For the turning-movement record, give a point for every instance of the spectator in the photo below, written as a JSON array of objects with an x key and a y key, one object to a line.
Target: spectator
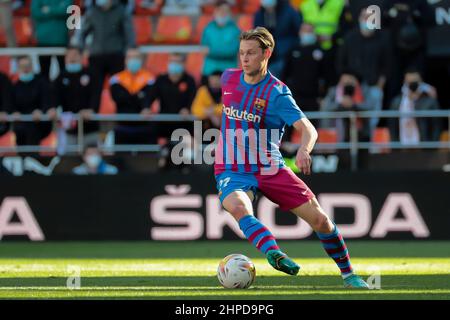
[
  {"x": 348, "y": 95},
  {"x": 302, "y": 71},
  {"x": 207, "y": 105},
  {"x": 131, "y": 90},
  {"x": 93, "y": 163},
  {"x": 283, "y": 21},
  {"x": 175, "y": 91},
  {"x": 368, "y": 51},
  {"x": 416, "y": 95},
  {"x": 6, "y": 22},
  {"x": 406, "y": 21},
  {"x": 49, "y": 19},
  {"x": 5, "y": 102},
  {"x": 74, "y": 92},
  {"x": 31, "y": 95},
  {"x": 110, "y": 29},
  {"x": 325, "y": 15},
  {"x": 221, "y": 36}
]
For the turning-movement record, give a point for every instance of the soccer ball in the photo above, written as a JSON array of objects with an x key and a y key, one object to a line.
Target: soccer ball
[{"x": 236, "y": 271}]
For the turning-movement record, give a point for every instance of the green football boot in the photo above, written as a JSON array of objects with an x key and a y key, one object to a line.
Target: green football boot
[{"x": 282, "y": 262}]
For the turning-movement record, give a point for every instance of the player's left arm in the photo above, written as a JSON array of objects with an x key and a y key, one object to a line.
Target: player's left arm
[{"x": 308, "y": 139}]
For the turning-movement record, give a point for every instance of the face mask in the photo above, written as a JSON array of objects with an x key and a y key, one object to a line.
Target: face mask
[
  {"x": 364, "y": 27},
  {"x": 26, "y": 77},
  {"x": 134, "y": 65},
  {"x": 94, "y": 160},
  {"x": 73, "y": 67},
  {"x": 101, "y": 3},
  {"x": 268, "y": 3},
  {"x": 221, "y": 21},
  {"x": 413, "y": 86},
  {"x": 307, "y": 39},
  {"x": 175, "y": 68}
]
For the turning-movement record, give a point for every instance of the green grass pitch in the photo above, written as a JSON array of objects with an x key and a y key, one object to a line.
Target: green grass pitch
[{"x": 187, "y": 270}]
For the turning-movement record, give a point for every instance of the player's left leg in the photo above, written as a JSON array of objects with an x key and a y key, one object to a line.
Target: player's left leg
[{"x": 332, "y": 240}]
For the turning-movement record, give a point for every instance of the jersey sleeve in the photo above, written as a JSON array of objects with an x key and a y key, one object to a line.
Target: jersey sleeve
[{"x": 287, "y": 108}]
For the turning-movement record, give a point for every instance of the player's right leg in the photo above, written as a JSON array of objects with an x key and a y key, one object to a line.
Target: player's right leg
[{"x": 236, "y": 194}]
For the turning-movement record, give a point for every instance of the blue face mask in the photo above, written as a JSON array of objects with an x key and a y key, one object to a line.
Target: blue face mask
[
  {"x": 221, "y": 21},
  {"x": 134, "y": 65},
  {"x": 364, "y": 27},
  {"x": 175, "y": 68},
  {"x": 101, "y": 3},
  {"x": 73, "y": 67},
  {"x": 26, "y": 77},
  {"x": 268, "y": 3},
  {"x": 308, "y": 39}
]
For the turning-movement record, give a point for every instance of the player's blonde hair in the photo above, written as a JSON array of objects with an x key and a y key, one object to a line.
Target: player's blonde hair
[{"x": 260, "y": 34}]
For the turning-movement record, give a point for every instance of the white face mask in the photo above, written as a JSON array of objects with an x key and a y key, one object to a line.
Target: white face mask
[{"x": 93, "y": 160}]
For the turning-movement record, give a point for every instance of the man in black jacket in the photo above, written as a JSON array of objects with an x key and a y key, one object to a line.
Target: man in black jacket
[
  {"x": 31, "y": 95},
  {"x": 74, "y": 92},
  {"x": 5, "y": 102},
  {"x": 175, "y": 91}
]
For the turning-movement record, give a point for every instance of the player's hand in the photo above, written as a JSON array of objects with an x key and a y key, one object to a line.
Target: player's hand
[
  {"x": 303, "y": 161},
  {"x": 3, "y": 116},
  {"x": 52, "y": 114}
]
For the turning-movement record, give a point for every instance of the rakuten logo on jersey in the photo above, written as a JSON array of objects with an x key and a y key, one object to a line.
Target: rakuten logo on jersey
[{"x": 236, "y": 114}]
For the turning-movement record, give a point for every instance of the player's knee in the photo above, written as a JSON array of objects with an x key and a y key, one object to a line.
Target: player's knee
[
  {"x": 322, "y": 223},
  {"x": 238, "y": 210}
]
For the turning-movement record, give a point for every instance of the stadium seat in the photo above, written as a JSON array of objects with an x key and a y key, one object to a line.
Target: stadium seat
[
  {"x": 24, "y": 31},
  {"x": 145, "y": 7},
  {"x": 8, "y": 140},
  {"x": 107, "y": 105},
  {"x": 251, "y": 6},
  {"x": 5, "y": 65},
  {"x": 49, "y": 141},
  {"x": 208, "y": 7},
  {"x": 194, "y": 65},
  {"x": 173, "y": 30},
  {"x": 245, "y": 22},
  {"x": 327, "y": 135},
  {"x": 201, "y": 24},
  {"x": 143, "y": 29},
  {"x": 157, "y": 62},
  {"x": 381, "y": 136}
]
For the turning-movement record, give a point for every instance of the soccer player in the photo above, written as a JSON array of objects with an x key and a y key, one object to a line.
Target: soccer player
[{"x": 256, "y": 108}]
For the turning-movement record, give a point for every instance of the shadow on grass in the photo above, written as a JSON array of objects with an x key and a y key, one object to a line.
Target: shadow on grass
[{"x": 265, "y": 287}]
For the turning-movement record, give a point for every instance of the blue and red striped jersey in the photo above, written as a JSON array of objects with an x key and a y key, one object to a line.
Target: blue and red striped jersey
[{"x": 254, "y": 117}]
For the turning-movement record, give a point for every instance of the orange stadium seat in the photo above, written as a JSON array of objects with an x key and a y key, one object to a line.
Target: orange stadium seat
[
  {"x": 143, "y": 29},
  {"x": 157, "y": 62},
  {"x": 24, "y": 31},
  {"x": 201, "y": 24},
  {"x": 173, "y": 29},
  {"x": 251, "y": 6},
  {"x": 208, "y": 8},
  {"x": 381, "y": 136},
  {"x": 444, "y": 138},
  {"x": 194, "y": 65},
  {"x": 153, "y": 9},
  {"x": 8, "y": 140},
  {"x": 245, "y": 22},
  {"x": 107, "y": 105},
  {"x": 5, "y": 65},
  {"x": 49, "y": 141}
]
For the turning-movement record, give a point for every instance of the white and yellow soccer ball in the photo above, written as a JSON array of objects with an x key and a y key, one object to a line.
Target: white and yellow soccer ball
[{"x": 236, "y": 271}]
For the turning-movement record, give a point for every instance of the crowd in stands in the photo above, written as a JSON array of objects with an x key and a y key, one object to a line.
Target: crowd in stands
[{"x": 326, "y": 52}]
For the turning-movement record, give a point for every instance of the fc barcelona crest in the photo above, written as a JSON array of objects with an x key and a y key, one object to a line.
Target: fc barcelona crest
[{"x": 260, "y": 103}]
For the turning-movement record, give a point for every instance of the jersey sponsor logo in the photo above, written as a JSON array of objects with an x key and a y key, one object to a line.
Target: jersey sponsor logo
[
  {"x": 236, "y": 114},
  {"x": 227, "y": 93}
]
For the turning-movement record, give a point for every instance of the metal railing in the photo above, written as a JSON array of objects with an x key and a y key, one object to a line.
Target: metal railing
[{"x": 353, "y": 145}]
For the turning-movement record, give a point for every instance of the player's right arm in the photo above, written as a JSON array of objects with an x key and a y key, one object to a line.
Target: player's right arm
[{"x": 308, "y": 139}]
